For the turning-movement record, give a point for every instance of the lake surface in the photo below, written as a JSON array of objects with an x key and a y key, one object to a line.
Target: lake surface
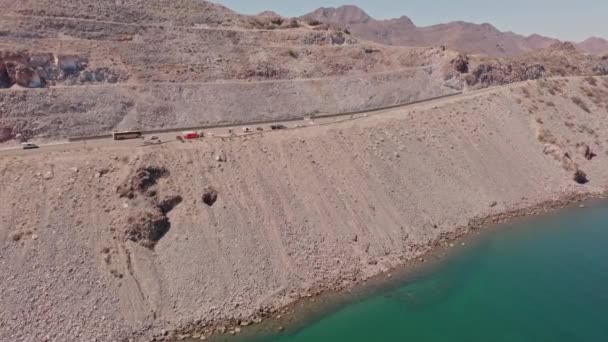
[{"x": 545, "y": 279}]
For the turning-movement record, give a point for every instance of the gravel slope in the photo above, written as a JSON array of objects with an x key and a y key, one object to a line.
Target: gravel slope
[{"x": 296, "y": 212}]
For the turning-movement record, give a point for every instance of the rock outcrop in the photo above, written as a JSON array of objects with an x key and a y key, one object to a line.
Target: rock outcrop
[
  {"x": 146, "y": 221},
  {"x": 492, "y": 74},
  {"x": 26, "y": 76},
  {"x": 5, "y": 80},
  {"x": 37, "y": 70},
  {"x": 461, "y": 64}
]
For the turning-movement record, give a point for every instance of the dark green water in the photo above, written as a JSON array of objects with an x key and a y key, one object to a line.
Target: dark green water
[{"x": 544, "y": 279}]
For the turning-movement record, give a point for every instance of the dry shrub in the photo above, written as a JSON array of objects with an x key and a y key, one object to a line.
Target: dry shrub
[
  {"x": 579, "y": 102},
  {"x": 586, "y": 129},
  {"x": 588, "y": 92},
  {"x": 550, "y": 104},
  {"x": 546, "y": 137},
  {"x": 591, "y": 80},
  {"x": 580, "y": 177},
  {"x": 293, "y": 53},
  {"x": 526, "y": 93}
]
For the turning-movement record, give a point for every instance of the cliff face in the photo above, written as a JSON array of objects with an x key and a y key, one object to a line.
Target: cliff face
[{"x": 120, "y": 242}]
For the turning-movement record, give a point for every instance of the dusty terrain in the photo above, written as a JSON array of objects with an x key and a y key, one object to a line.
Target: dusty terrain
[
  {"x": 115, "y": 243},
  {"x": 70, "y": 68},
  {"x": 459, "y": 35},
  {"x": 88, "y": 67}
]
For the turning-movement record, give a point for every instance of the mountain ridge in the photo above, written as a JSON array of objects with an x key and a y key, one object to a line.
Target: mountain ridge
[{"x": 482, "y": 38}]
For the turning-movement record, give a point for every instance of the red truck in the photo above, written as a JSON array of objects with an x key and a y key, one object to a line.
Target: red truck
[{"x": 191, "y": 135}]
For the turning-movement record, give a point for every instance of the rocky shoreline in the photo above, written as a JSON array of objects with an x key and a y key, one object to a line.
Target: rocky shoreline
[{"x": 203, "y": 330}]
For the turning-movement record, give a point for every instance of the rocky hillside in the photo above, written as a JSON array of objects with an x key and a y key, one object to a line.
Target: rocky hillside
[
  {"x": 150, "y": 244},
  {"x": 595, "y": 45},
  {"x": 57, "y": 57},
  {"x": 559, "y": 59},
  {"x": 467, "y": 37},
  {"x": 87, "y": 67}
]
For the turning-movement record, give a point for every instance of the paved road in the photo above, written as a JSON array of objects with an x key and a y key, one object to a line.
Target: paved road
[
  {"x": 169, "y": 136},
  {"x": 224, "y": 131},
  {"x": 237, "y": 129}
]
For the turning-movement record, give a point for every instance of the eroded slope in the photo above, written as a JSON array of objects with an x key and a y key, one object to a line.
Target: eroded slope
[{"x": 123, "y": 243}]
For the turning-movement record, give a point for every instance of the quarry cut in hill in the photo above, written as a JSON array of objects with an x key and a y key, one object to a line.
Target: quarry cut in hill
[{"x": 165, "y": 241}]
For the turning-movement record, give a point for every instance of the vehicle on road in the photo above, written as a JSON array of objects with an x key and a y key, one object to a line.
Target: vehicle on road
[
  {"x": 127, "y": 135},
  {"x": 153, "y": 140},
  {"x": 29, "y": 146},
  {"x": 191, "y": 135}
]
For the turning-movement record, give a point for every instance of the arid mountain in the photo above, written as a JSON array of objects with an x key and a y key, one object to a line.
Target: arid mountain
[
  {"x": 467, "y": 37},
  {"x": 297, "y": 212},
  {"x": 135, "y": 64},
  {"x": 595, "y": 45}
]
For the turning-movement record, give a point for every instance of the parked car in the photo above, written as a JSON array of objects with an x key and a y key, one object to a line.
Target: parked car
[
  {"x": 153, "y": 140},
  {"x": 191, "y": 135},
  {"x": 29, "y": 146}
]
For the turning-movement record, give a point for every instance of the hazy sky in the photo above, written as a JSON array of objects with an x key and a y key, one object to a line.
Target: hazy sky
[{"x": 564, "y": 19}]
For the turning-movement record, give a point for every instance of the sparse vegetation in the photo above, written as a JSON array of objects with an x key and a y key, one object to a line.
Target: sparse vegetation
[
  {"x": 591, "y": 80},
  {"x": 314, "y": 22},
  {"x": 580, "y": 177},
  {"x": 588, "y": 92},
  {"x": 549, "y": 86},
  {"x": 277, "y": 20},
  {"x": 586, "y": 129},
  {"x": 550, "y": 104},
  {"x": 579, "y": 102},
  {"x": 546, "y": 137}
]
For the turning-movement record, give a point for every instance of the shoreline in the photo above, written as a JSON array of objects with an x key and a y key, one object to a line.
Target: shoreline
[{"x": 307, "y": 308}]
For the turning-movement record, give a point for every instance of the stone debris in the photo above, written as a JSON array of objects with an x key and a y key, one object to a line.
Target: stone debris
[{"x": 209, "y": 195}]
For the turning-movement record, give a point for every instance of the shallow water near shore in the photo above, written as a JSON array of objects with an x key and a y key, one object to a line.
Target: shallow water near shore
[{"x": 539, "y": 279}]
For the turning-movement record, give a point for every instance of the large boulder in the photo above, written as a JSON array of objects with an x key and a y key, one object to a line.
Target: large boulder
[
  {"x": 41, "y": 60},
  {"x": 461, "y": 64},
  {"x": 498, "y": 73},
  {"x": 28, "y": 77},
  {"x": 70, "y": 64}
]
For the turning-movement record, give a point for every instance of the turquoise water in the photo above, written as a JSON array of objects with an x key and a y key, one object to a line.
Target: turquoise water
[{"x": 542, "y": 280}]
